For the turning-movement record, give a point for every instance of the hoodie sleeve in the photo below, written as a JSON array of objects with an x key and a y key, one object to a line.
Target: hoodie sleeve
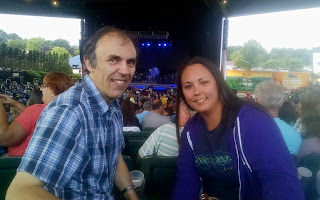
[
  {"x": 187, "y": 181},
  {"x": 269, "y": 156}
]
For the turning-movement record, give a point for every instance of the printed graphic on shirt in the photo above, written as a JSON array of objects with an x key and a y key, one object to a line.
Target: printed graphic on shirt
[{"x": 220, "y": 161}]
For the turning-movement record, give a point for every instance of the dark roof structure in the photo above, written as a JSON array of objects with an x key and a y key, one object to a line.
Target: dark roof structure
[{"x": 194, "y": 26}]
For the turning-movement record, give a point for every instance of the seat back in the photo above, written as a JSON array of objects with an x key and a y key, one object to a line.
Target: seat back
[
  {"x": 8, "y": 169},
  {"x": 133, "y": 141},
  {"x": 160, "y": 174},
  {"x": 149, "y": 129},
  {"x": 312, "y": 162}
]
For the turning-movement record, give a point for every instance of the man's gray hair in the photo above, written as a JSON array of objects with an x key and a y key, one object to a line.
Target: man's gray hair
[
  {"x": 147, "y": 105},
  {"x": 270, "y": 94}
]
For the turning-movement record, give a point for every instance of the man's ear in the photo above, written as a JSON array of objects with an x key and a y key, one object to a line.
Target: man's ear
[{"x": 88, "y": 64}]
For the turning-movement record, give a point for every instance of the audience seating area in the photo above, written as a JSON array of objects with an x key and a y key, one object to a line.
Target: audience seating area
[
  {"x": 159, "y": 171},
  {"x": 133, "y": 141},
  {"x": 312, "y": 162},
  {"x": 8, "y": 168}
]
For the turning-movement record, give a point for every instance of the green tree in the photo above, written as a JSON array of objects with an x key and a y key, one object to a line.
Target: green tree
[
  {"x": 18, "y": 44},
  {"x": 3, "y": 37},
  {"x": 35, "y": 44},
  {"x": 250, "y": 56},
  {"x": 232, "y": 49},
  {"x": 46, "y": 46},
  {"x": 14, "y": 36},
  {"x": 60, "y": 51}
]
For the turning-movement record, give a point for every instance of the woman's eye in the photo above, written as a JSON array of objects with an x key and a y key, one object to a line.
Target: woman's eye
[
  {"x": 187, "y": 87},
  {"x": 204, "y": 82}
]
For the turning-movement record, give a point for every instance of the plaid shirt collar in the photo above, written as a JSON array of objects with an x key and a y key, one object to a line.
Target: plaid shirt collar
[{"x": 97, "y": 102}]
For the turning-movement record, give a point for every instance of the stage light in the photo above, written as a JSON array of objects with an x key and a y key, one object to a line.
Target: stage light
[
  {"x": 159, "y": 45},
  {"x": 165, "y": 44},
  {"x": 142, "y": 44},
  {"x": 148, "y": 44},
  {"x": 55, "y": 3}
]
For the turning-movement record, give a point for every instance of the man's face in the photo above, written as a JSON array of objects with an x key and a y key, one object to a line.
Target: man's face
[{"x": 116, "y": 65}]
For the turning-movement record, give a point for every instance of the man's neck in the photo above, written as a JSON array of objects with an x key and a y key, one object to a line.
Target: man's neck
[{"x": 275, "y": 114}]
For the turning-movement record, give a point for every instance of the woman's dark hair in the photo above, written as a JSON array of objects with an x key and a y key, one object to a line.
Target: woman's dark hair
[
  {"x": 35, "y": 97},
  {"x": 128, "y": 111},
  {"x": 287, "y": 113},
  {"x": 231, "y": 102}
]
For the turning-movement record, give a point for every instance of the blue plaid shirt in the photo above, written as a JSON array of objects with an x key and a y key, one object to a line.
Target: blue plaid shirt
[{"x": 75, "y": 146}]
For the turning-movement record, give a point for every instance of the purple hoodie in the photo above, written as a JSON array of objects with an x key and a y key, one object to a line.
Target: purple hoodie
[{"x": 264, "y": 165}]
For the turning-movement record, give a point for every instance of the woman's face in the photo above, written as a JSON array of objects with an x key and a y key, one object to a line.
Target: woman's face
[
  {"x": 200, "y": 89},
  {"x": 47, "y": 93}
]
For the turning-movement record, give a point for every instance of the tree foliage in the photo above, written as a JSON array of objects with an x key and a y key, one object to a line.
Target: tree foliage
[
  {"x": 35, "y": 44},
  {"x": 251, "y": 55},
  {"x": 18, "y": 44}
]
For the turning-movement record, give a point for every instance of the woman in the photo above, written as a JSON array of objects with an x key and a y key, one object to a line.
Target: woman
[
  {"x": 130, "y": 121},
  {"x": 17, "y": 135},
  {"x": 232, "y": 148},
  {"x": 310, "y": 119}
]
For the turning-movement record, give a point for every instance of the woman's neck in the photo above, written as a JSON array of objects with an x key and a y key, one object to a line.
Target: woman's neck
[{"x": 213, "y": 117}]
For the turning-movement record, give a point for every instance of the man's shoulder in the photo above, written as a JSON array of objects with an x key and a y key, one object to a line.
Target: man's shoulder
[{"x": 283, "y": 126}]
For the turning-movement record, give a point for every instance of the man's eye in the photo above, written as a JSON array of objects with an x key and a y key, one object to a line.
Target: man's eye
[{"x": 112, "y": 60}]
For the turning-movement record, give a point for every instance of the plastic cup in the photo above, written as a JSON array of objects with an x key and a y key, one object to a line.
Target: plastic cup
[
  {"x": 304, "y": 174},
  {"x": 137, "y": 178}
]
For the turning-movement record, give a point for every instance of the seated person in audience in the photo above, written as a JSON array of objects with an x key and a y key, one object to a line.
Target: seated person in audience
[
  {"x": 17, "y": 135},
  {"x": 287, "y": 113},
  {"x": 156, "y": 117},
  {"x": 35, "y": 97},
  {"x": 310, "y": 118},
  {"x": 147, "y": 108},
  {"x": 271, "y": 95},
  {"x": 130, "y": 121},
  {"x": 163, "y": 141}
]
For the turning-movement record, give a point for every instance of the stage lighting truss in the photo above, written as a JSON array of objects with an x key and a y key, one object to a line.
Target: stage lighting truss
[{"x": 151, "y": 35}]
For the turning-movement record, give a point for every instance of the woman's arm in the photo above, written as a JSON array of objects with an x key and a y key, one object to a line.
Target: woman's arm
[
  {"x": 19, "y": 107},
  {"x": 10, "y": 134},
  {"x": 188, "y": 182},
  {"x": 269, "y": 157}
]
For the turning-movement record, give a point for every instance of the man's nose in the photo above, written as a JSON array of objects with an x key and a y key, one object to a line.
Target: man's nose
[{"x": 123, "y": 68}]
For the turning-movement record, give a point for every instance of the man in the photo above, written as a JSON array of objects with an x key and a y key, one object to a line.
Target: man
[
  {"x": 271, "y": 94},
  {"x": 75, "y": 152},
  {"x": 155, "y": 118},
  {"x": 163, "y": 141},
  {"x": 147, "y": 108}
]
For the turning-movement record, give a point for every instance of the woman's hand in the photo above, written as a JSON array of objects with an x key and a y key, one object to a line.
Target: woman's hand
[{"x": 7, "y": 100}]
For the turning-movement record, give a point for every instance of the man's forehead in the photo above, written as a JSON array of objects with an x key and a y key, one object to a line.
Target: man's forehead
[{"x": 123, "y": 39}]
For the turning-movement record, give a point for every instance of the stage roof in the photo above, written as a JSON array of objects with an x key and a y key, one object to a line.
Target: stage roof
[{"x": 81, "y": 8}]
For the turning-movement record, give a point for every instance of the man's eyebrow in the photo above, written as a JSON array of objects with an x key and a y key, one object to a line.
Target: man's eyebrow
[
  {"x": 114, "y": 57},
  {"x": 134, "y": 60}
]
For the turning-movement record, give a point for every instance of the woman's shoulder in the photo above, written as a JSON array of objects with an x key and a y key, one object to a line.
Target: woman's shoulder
[{"x": 253, "y": 111}]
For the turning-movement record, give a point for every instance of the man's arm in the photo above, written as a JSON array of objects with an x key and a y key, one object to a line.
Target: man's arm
[
  {"x": 26, "y": 186},
  {"x": 122, "y": 179}
]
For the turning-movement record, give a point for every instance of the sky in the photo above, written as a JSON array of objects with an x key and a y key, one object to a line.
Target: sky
[
  {"x": 49, "y": 28},
  {"x": 291, "y": 29}
]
